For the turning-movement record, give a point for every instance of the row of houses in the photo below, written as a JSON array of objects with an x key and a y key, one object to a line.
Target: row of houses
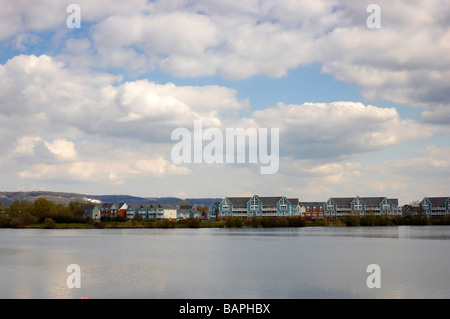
[
  {"x": 254, "y": 206},
  {"x": 275, "y": 206},
  {"x": 282, "y": 207},
  {"x": 333, "y": 208},
  {"x": 144, "y": 211}
]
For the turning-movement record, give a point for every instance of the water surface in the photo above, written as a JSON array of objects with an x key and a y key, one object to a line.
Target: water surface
[{"x": 309, "y": 262}]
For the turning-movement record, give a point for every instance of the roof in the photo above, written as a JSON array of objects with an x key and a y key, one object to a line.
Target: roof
[
  {"x": 238, "y": 201},
  {"x": 269, "y": 201},
  {"x": 312, "y": 203},
  {"x": 372, "y": 200},
  {"x": 342, "y": 200},
  {"x": 167, "y": 205},
  {"x": 89, "y": 207},
  {"x": 140, "y": 206},
  {"x": 394, "y": 201},
  {"x": 437, "y": 201}
]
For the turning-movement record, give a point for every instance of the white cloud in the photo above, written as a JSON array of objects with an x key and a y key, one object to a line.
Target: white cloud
[
  {"x": 338, "y": 129},
  {"x": 405, "y": 61},
  {"x": 57, "y": 98},
  {"x": 61, "y": 120}
]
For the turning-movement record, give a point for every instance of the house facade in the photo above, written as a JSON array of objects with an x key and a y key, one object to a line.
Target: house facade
[
  {"x": 312, "y": 210},
  {"x": 435, "y": 207},
  {"x": 188, "y": 212},
  {"x": 213, "y": 212},
  {"x": 113, "y": 209},
  {"x": 379, "y": 206},
  {"x": 152, "y": 211},
  {"x": 91, "y": 211},
  {"x": 257, "y": 206}
]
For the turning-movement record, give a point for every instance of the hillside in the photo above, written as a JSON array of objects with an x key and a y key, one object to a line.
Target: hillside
[{"x": 64, "y": 198}]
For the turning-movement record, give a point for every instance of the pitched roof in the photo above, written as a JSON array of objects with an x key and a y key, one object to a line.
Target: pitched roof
[
  {"x": 372, "y": 200},
  {"x": 269, "y": 201},
  {"x": 89, "y": 207},
  {"x": 167, "y": 205},
  {"x": 342, "y": 200},
  {"x": 265, "y": 200},
  {"x": 437, "y": 201},
  {"x": 238, "y": 201},
  {"x": 312, "y": 203},
  {"x": 394, "y": 201}
]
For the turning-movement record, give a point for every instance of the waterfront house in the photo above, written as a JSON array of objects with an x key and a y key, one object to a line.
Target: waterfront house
[
  {"x": 188, "y": 212},
  {"x": 91, "y": 211},
  {"x": 113, "y": 209},
  {"x": 152, "y": 211},
  {"x": 435, "y": 207},
  {"x": 258, "y": 206},
  {"x": 144, "y": 211},
  {"x": 312, "y": 210},
  {"x": 295, "y": 206},
  {"x": 213, "y": 212},
  {"x": 361, "y": 206},
  {"x": 166, "y": 211}
]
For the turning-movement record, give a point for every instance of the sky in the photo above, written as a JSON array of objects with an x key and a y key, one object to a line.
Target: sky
[{"x": 360, "y": 110}]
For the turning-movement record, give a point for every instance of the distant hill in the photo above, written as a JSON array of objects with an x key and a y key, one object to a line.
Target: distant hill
[{"x": 64, "y": 198}]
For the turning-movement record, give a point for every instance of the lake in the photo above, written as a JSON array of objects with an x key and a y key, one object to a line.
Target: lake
[{"x": 308, "y": 262}]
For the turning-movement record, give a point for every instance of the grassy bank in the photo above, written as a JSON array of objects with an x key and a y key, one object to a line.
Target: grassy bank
[{"x": 349, "y": 221}]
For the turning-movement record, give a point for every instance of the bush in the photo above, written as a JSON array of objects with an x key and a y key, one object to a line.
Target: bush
[
  {"x": 23, "y": 220},
  {"x": 253, "y": 222},
  {"x": 351, "y": 220},
  {"x": 49, "y": 223},
  {"x": 234, "y": 222},
  {"x": 296, "y": 222},
  {"x": 100, "y": 224},
  {"x": 5, "y": 220}
]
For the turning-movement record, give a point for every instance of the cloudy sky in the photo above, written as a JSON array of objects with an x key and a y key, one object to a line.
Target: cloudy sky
[{"x": 360, "y": 111}]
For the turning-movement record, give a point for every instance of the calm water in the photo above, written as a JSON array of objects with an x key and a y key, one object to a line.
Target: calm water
[{"x": 322, "y": 262}]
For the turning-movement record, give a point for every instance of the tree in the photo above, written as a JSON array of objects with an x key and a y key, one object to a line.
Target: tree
[
  {"x": 42, "y": 208},
  {"x": 18, "y": 208},
  {"x": 76, "y": 208}
]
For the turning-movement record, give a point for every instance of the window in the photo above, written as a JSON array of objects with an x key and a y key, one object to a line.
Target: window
[
  {"x": 358, "y": 204},
  {"x": 254, "y": 204},
  {"x": 225, "y": 206}
]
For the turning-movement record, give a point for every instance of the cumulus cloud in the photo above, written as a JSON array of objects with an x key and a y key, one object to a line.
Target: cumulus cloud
[
  {"x": 405, "y": 61},
  {"x": 338, "y": 129},
  {"x": 97, "y": 103},
  {"x": 65, "y": 114}
]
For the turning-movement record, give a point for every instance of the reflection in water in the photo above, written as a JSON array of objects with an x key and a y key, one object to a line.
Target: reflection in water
[
  {"x": 309, "y": 262},
  {"x": 405, "y": 232}
]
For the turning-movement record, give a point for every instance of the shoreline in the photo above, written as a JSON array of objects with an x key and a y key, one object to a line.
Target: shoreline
[{"x": 234, "y": 223}]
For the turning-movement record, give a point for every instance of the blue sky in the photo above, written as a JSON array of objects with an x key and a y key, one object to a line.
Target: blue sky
[{"x": 360, "y": 111}]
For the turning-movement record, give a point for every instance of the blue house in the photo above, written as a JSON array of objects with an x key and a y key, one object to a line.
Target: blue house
[
  {"x": 361, "y": 206},
  {"x": 435, "y": 207},
  {"x": 213, "y": 211},
  {"x": 258, "y": 206}
]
